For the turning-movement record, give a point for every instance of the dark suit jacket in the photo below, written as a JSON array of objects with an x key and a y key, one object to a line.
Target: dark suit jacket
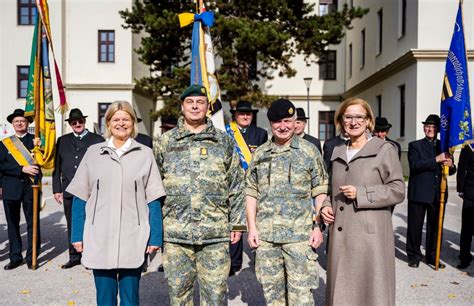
[
  {"x": 328, "y": 147},
  {"x": 69, "y": 153},
  {"x": 254, "y": 137},
  {"x": 399, "y": 147},
  {"x": 465, "y": 175},
  {"x": 314, "y": 141},
  {"x": 425, "y": 173},
  {"x": 16, "y": 184},
  {"x": 144, "y": 140}
]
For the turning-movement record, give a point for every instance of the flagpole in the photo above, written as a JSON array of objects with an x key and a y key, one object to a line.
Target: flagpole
[
  {"x": 443, "y": 187},
  {"x": 35, "y": 185}
]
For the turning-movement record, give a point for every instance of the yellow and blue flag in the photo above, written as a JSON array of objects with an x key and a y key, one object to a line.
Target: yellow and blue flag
[
  {"x": 39, "y": 100},
  {"x": 456, "y": 126},
  {"x": 202, "y": 60}
]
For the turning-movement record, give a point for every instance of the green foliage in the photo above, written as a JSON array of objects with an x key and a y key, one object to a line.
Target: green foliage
[{"x": 270, "y": 31}]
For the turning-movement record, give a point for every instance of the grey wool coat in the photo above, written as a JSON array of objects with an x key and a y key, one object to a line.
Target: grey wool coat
[
  {"x": 361, "y": 258},
  {"x": 117, "y": 191}
]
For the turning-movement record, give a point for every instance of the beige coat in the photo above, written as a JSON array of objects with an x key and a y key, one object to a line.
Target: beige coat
[
  {"x": 361, "y": 259},
  {"x": 117, "y": 192}
]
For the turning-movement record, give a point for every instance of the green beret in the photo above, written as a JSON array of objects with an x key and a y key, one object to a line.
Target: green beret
[
  {"x": 281, "y": 109},
  {"x": 194, "y": 90}
]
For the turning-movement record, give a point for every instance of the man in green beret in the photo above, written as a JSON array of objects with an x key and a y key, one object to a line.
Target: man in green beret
[
  {"x": 204, "y": 208},
  {"x": 285, "y": 184}
]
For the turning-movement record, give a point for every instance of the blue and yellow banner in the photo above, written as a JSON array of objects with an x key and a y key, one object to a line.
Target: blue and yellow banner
[
  {"x": 202, "y": 59},
  {"x": 18, "y": 151},
  {"x": 456, "y": 126},
  {"x": 241, "y": 146}
]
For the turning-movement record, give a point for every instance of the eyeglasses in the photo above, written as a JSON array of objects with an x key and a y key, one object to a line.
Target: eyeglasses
[
  {"x": 77, "y": 122},
  {"x": 357, "y": 118}
]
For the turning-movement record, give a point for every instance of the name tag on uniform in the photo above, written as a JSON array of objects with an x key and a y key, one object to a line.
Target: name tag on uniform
[
  {"x": 178, "y": 149},
  {"x": 203, "y": 151}
]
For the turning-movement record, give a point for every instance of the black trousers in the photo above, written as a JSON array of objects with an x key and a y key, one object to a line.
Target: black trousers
[
  {"x": 12, "y": 214},
  {"x": 236, "y": 251},
  {"x": 467, "y": 230},
  {"x": 416, "y": 218},
  {"x": 73, "y": 254}
]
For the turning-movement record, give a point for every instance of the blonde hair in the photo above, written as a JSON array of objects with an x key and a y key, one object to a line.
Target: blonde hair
[
  {"x": 120, "y": 106},
  {"x": 338, "y": 121}
]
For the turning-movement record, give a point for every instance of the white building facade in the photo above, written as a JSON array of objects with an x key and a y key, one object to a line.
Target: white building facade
[{"x": 393, "y": 57}]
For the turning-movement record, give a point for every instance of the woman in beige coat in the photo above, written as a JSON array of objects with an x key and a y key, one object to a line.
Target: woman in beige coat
[
  {"x": 116, "y": 213},
  {"x": 366, "y": 181}
]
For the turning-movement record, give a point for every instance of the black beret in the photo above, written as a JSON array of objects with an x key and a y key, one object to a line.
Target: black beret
[
  {"x": 280, "y": 109},
  {"x": 194, "y": 90}
]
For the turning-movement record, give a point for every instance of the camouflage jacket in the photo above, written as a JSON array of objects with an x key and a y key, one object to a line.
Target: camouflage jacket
[
  {"x": 204, "y": 183},
  {"x": 284, "y": 179}
]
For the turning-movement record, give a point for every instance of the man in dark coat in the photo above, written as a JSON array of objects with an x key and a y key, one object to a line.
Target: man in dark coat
[
  {"x": 328, "y": 148},
  {"x": 301, "y": 121},
  {"x": 465, "y": 188},
  {"x": 425, "y": 160},
  {"x": 254, "y": 137},
  {"x": 381, "y": 130},
  {"x": 70, "y": 150},
  {"x": 17, "y": 190}
]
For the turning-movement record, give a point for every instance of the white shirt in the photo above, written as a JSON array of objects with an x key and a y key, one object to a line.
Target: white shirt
[{"x": 122, "y": 149}]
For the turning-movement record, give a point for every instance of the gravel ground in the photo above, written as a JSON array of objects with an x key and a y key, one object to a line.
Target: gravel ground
[{"x": 50, "y": 285}]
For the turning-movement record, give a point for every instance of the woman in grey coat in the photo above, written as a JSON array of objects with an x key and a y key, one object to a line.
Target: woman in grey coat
[
  {"x": 116, "y": 214},
  {"x": 366, "y": 181}
]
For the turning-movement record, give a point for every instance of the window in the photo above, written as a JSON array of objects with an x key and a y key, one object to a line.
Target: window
[
  {"x": 102, "y": 109},
  {"x": 327, "y": 7},
  {"x": 326, "y": 125},
  {"x": 379, "y": 105},
  {"x": 26, "y": 12},
  {"x": 401, "y": 89},
  {"x": 22, "y": 73},
  {"x": 327, "y": 66},
  {"x": 380, "y": 29},
  {"x": 362, "y": 49},
  {"x": 350, "y": 60},
  {"x": 106, "y": 46},
  {"x": 402, "y": 17}
]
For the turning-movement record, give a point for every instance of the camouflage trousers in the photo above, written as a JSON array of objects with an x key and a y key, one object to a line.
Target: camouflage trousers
[
  {"x": 287, "y": 272},
  {"x": 210, "y": 263}
]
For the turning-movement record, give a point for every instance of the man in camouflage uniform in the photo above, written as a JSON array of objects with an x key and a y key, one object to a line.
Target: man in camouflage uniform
[
  {"x": 284, "y": 177},
  {"x": 204, "y": 207}
]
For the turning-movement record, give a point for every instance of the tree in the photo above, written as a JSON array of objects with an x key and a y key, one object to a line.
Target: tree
[{"x": 270, "y": 32}]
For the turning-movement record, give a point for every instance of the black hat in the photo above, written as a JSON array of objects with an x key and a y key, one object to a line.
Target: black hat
[
  {"x": 194, "y": 90},
  {"x": 280, "y": 109},
  {"x": 432, "y": 119},
  {"x": 300, "y": 114},
  {"x": 18, "y": 113},
  {"x": 381, "y": 124},
  {"x": 75, "y": 114},
  {"x": 243, "y": 106}
]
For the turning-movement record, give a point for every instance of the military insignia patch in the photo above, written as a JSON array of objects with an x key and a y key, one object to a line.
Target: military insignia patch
[
  {"x": 203, "y": 151},
  {"x": 203, "y": 90},
  {"x": 290, "y": 111}
]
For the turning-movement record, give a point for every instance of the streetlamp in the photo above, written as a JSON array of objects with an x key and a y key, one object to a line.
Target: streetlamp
[{"x": 307, "y": 81}]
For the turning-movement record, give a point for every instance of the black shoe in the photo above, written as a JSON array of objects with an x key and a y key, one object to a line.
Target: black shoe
[
  {"x": 70, "y": 264},
  {"x": 160, "y": 269},
  {"x": 13, "y": 265},
  {"x": 413, "y": 264},
  {"x": 463, "y": 265},
  {"x": 30, "y": 265}
]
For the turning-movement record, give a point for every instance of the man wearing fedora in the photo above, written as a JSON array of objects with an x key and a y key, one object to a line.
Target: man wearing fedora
[
  {"x": 70, "y": 150},
  {"x": 425, "y": 160},
  {"x": 17, "y": 190},
  {"x": 381, "y": 130},
  {"x": 301, "y": 121},
  {"x": 253, "y": 137}
]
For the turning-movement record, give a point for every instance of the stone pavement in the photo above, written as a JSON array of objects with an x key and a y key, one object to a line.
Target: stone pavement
[{"x": 50, "y": 285}]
